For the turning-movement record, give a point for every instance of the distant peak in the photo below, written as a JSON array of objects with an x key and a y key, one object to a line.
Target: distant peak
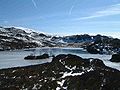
[{"x": 27, "y": 30}]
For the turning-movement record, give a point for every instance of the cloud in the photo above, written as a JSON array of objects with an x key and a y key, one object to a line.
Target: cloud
[
  {"x": 34, "y": 3},
  {"x": 72, "y": 7},
  {"x": 111, "y": 10},
  {"x": 70, "y": 11}
]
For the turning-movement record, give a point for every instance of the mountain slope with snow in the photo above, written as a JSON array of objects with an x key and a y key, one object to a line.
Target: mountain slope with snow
[{"x": 18, "y": 38}]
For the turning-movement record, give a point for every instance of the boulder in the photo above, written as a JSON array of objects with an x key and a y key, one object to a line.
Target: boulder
[{"x": 115, "y": 58}]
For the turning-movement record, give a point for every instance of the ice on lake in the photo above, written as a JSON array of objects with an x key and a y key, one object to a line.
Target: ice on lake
[{"x": 10, "y": 59}]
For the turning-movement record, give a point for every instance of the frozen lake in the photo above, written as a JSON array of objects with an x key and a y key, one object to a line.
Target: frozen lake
[{"x": 16, "y": 58}]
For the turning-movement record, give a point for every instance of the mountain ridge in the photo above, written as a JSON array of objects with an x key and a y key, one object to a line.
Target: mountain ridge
[
  {"x": 27, "y": 37},
  {"x": 20, "y": 38}
]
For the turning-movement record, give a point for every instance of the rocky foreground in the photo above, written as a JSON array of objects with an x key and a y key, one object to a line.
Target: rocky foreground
[{"x": 65, "y": 72}]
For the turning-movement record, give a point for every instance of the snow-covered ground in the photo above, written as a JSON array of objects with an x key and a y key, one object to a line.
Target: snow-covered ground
[{"x": 16, "y": 58}]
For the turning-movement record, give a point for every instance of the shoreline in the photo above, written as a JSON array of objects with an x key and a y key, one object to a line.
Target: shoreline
[{"x": 20, "y": 67}]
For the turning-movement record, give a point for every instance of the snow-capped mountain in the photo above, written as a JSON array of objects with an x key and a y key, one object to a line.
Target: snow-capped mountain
[{"x": 18, "y": 38}]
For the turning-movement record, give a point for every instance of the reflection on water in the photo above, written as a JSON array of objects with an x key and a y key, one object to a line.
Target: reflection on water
[{"x": 16, "y": 58}]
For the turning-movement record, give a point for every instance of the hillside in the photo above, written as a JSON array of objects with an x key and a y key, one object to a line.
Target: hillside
[
  {"x": 20, "y": 38},
  {"x": 65, "y": 72}
]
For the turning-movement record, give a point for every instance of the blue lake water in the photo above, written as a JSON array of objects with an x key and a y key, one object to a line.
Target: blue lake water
[{"x": 10, "y": 59}]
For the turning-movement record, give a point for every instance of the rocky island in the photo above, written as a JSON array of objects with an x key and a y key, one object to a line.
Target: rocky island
[
  {"x": 31, "y": 57},
  {"x": 65, "y": 72}
]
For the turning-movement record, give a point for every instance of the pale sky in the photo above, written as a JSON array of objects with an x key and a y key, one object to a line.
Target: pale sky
[{"x": 63, "y": 17}]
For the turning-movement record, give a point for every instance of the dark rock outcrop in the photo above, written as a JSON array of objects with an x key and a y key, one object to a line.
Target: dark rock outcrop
[
  {"x": 115, "y": 58},
  {"x": 93, "y": 49},
  {"x": 44, "y": 56},
  {"x": 65, "y": 72}
]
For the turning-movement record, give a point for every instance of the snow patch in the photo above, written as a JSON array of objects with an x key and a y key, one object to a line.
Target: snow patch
[
  {"x": 58, "y": 88},
  {"x": 70, "y": 74}
]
